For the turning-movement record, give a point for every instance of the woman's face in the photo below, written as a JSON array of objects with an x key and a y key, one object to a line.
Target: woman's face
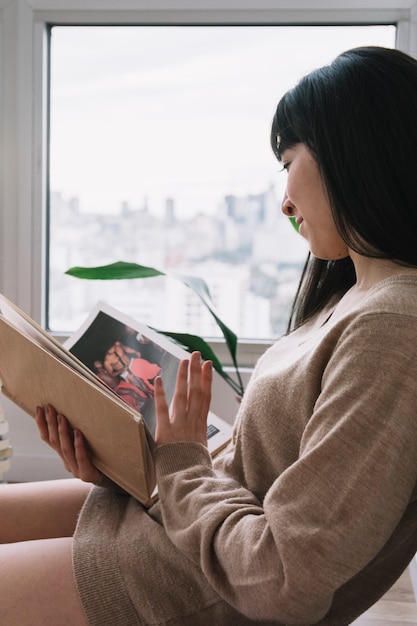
[{"x": 306, "y": 199}]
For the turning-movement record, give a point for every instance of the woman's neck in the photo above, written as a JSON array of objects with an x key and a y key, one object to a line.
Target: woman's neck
[{"x": 370, "y": 271}]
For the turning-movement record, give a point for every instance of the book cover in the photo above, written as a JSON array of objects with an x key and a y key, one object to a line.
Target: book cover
[{"x": 102, "y": 381}]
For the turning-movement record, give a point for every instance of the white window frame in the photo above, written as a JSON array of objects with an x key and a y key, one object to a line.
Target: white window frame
[
  {"x": 23, "y": 130},
  {"x": 23, "y": 113}
]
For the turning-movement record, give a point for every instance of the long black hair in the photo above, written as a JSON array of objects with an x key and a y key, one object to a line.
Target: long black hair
[{"x": 358, "y": 118}]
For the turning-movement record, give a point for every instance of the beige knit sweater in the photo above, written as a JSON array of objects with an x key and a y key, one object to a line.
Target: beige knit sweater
[{"x": 311, "y": 514}]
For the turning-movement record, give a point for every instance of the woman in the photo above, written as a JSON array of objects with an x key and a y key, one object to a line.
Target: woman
[{"x": 310, "y": 515}]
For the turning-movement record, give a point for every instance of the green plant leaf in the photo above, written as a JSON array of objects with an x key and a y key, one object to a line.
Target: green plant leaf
[
  {"x": 122, "y": 270},
  {"x": 294, "y": 223},
  {"x": 194, "y": 342},
  {"x": 199, "y": 286},
  {"x": 115, "y": 271}
]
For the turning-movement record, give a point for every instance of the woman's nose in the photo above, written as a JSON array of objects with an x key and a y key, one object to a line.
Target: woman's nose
[{"x": 287, "y": 206}]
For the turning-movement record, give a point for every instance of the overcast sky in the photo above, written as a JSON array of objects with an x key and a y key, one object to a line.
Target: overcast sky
[{"x": 180, "y": 112}]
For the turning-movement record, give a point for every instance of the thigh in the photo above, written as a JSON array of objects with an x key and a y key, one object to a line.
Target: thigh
[
  {"x": 40, "y": 510},
  {"x": 37, "y": 584}
]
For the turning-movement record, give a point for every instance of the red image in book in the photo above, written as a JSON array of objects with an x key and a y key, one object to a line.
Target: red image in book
[{"x": 128, "y": 374}]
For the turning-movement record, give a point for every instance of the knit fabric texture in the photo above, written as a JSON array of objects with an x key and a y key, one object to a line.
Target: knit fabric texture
[{"x": 310, "y": 514}]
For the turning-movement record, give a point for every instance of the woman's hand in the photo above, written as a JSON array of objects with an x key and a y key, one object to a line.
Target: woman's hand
[
  {"x": 57, "y": 433},
  {"x": 190, "y": 406}
]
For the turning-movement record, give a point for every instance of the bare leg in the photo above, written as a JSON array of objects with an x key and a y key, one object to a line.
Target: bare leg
[
  {"x": 37, "y": 584},
  {"x": 40, "y": 510}
]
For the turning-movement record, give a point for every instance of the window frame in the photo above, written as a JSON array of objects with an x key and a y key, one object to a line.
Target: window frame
[
  {"x": 23, "y": 141},
  {"x": 23, "y": 111}
]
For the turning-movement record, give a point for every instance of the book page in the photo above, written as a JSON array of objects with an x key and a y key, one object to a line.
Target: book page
[
  {"x": 127, "y": 356},
  {"x": 34, "y": 331}
]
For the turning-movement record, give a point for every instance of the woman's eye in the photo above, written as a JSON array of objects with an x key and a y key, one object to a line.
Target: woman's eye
[{"x": 285, "y": 166}]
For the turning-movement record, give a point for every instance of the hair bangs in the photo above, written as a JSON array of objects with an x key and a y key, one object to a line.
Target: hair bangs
[{"x": 283, "y": 132}]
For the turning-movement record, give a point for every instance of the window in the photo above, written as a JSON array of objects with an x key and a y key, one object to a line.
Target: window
[
  {"x": 159, "y": 154},
  {"x": 24, "y": 168}
]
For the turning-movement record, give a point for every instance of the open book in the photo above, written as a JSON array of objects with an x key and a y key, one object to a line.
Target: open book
[{"x": 101, "y": 379}]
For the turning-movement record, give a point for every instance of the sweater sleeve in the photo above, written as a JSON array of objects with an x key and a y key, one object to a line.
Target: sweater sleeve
[{"x": 331, "y": 512}]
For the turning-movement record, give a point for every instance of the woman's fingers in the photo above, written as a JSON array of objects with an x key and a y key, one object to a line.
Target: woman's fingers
[
  {"x": 199, "y": 396},
  {"x": 179, "y": 404},
  {"x": 55, "y": 430},
  {"x": 163, "y": 429},
  {"x": 47, "y": 422},
  {"x": 54, "y": 433},
  {"x": 190, "y": 406},
  {"x": 52, "y": 425},
  {"x": 42, "y": 425},
  {"x": 86, "y": 470},
  {"x": 206, "y": 384},
  {"x": 194, "y": 385},
  {"x": 66, "y": 445}
]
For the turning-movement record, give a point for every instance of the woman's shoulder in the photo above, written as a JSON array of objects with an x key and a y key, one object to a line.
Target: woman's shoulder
[
  {"x": 389, "y": 308},
  {"x": 396, "y": 295},
  {"x": 384, "y": 320}
]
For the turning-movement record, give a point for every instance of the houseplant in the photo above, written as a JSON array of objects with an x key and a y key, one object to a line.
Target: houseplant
[{"x": 122, "y": 270}]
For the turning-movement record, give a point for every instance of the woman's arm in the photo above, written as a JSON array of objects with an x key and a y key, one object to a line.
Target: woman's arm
[{"x": 329, "y": 514}]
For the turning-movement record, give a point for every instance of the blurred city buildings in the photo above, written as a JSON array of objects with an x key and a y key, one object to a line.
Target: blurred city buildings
[{"x": 247, "y": 252}]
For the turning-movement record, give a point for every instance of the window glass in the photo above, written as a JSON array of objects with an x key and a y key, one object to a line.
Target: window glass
[{"x": 160, "y": 155}]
